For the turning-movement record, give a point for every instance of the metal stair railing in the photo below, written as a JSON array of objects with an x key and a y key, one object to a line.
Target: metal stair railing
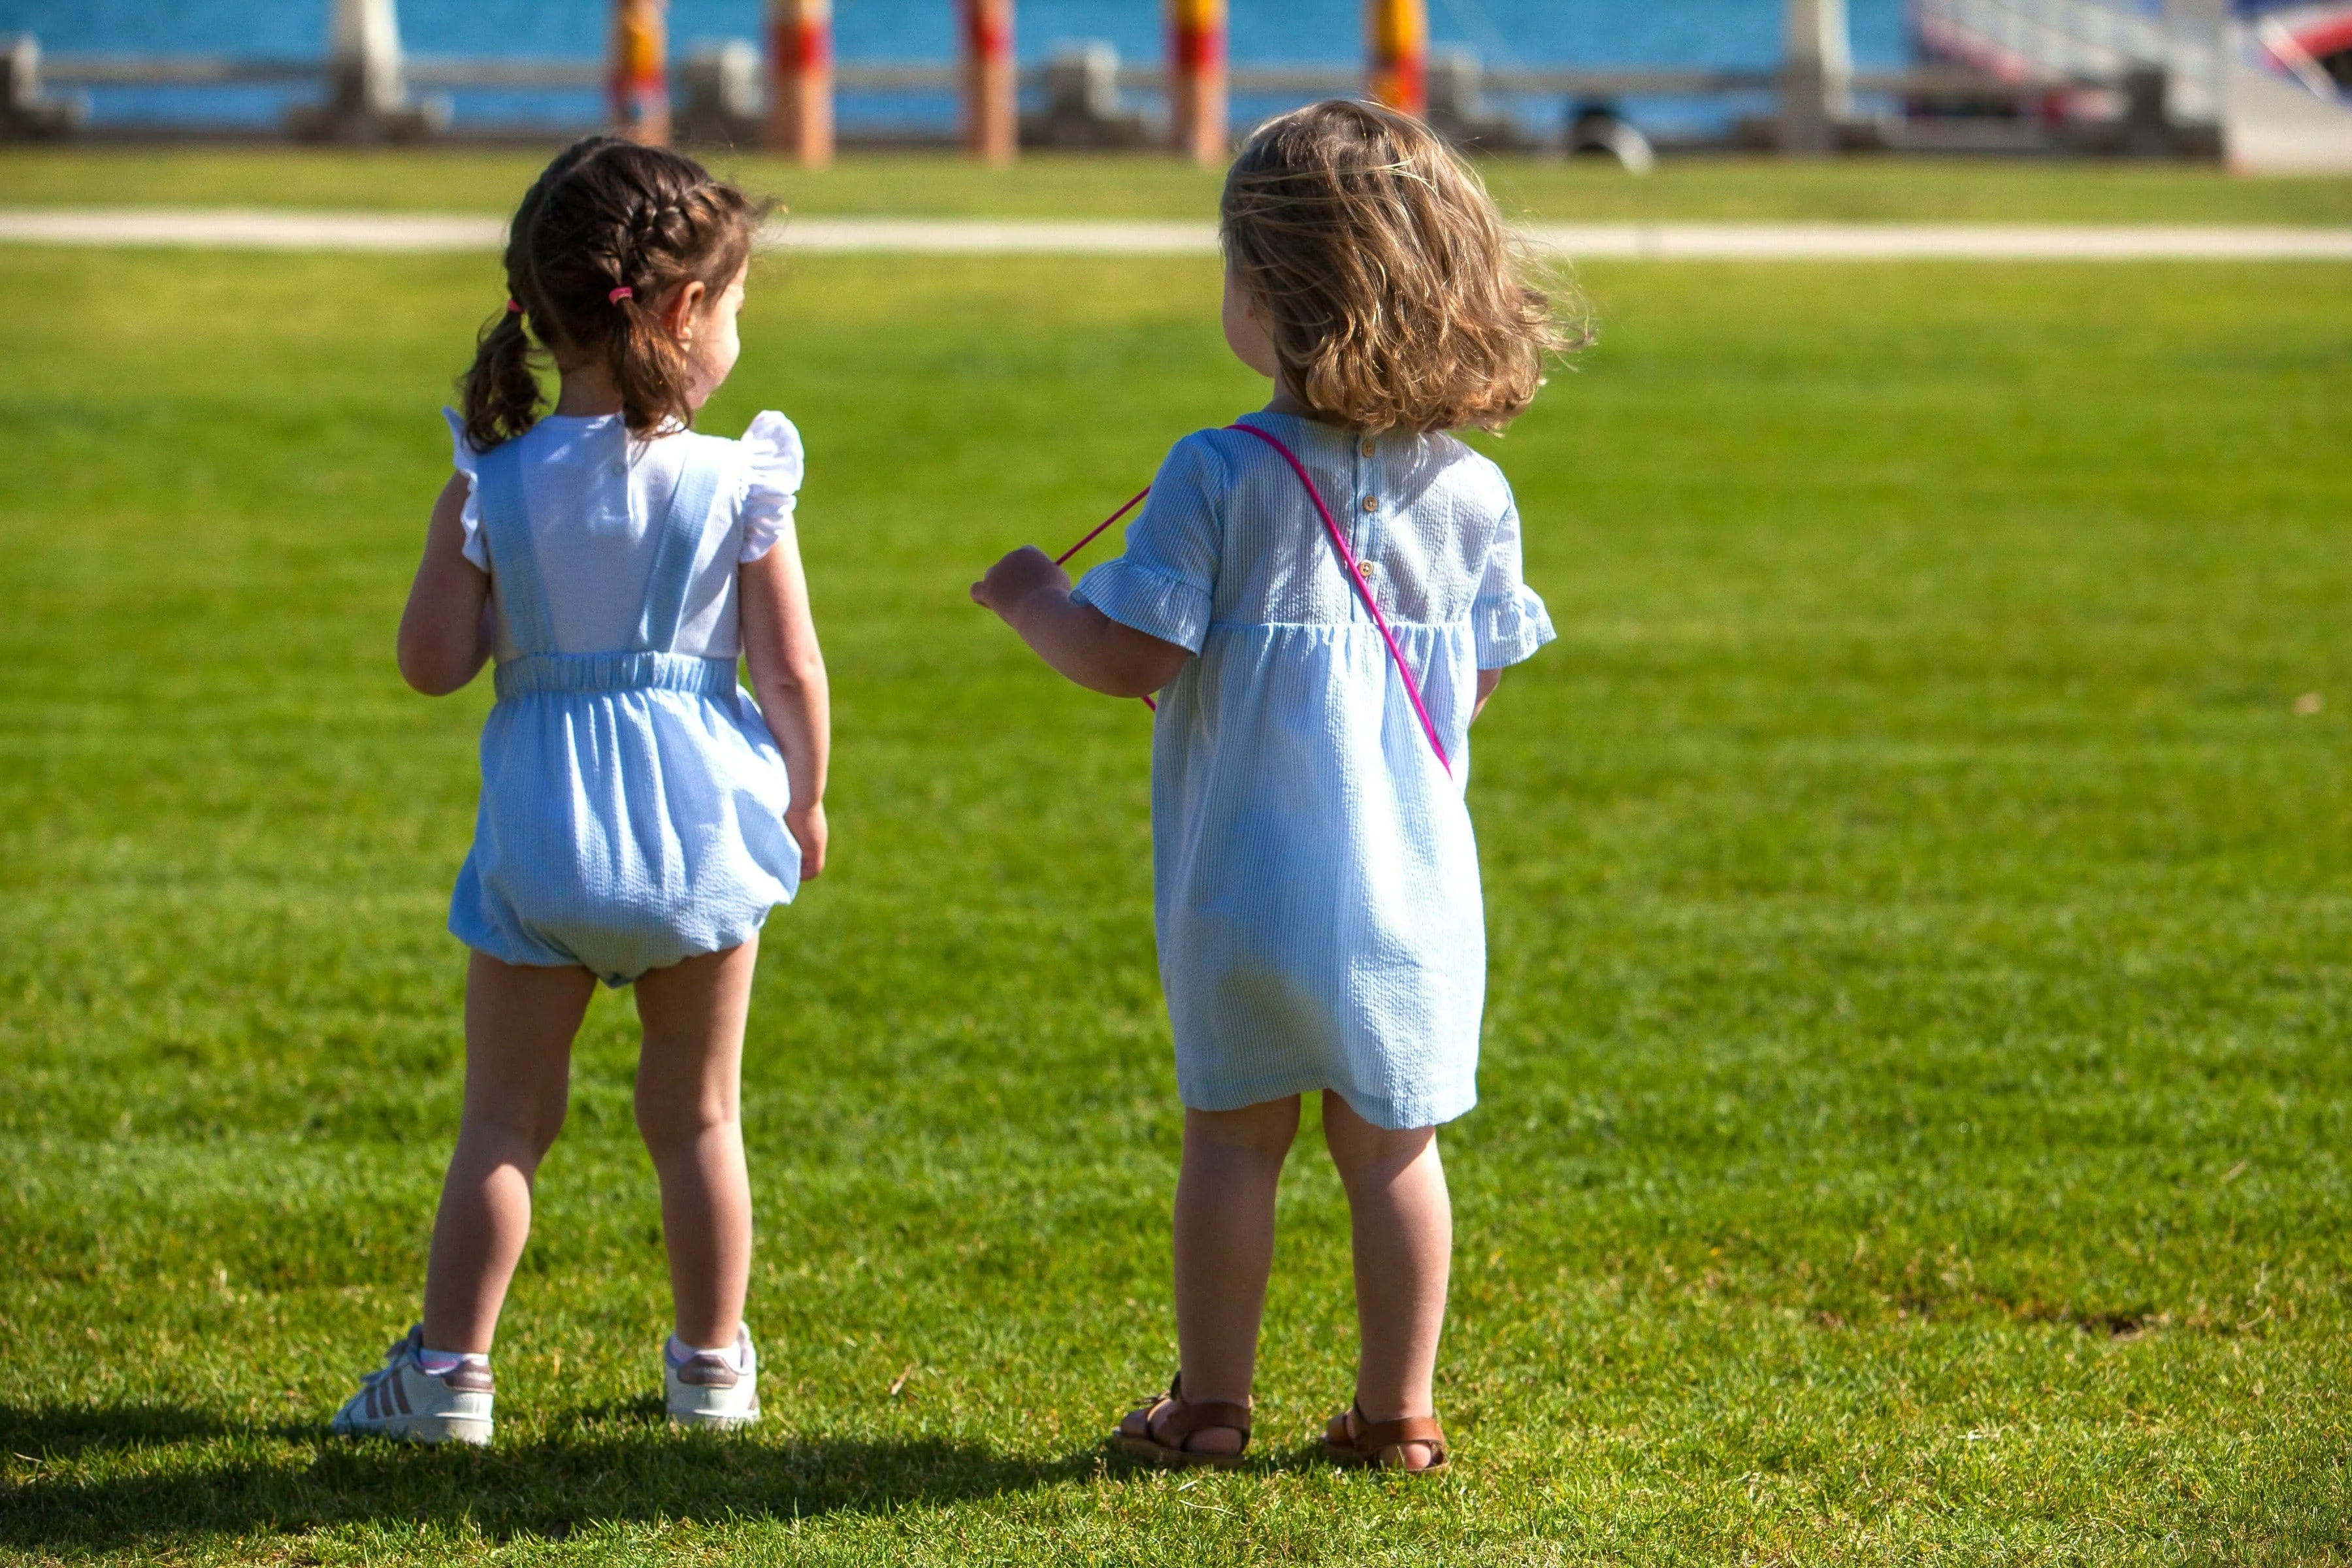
[{"x": 2084, "y": 40}]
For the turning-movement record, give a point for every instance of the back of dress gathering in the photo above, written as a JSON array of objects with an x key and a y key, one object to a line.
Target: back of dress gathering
[
  {"x": 633, "y": 799},
  {"x": 1315, "y": 876}
]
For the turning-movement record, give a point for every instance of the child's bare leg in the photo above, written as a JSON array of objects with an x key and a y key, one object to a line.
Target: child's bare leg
[
  {"x": 1403, "y": 1226},
  {"x": 519, "y": 1021},
  {"x": 689, "y": 1111},
  {"x": 1225, "y": 1250}
]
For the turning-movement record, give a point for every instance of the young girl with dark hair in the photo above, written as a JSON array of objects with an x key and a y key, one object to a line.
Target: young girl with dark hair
[
  {"x": 1323, "y": 596},
  {"x": 639, "y": 815}
]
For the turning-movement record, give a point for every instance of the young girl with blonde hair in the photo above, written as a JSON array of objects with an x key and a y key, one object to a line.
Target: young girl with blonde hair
[
  {"x": 640, "y": 816},
  {"x": 1322, "y": 595}
]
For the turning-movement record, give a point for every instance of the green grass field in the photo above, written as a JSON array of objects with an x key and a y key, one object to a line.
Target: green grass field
[
  {"x": 1101, "y": 186},
  {"x": 1916, "y": 1104}
]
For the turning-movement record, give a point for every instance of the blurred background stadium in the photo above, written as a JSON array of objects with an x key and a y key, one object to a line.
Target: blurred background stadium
[{"x": 1915, "y": 1109}]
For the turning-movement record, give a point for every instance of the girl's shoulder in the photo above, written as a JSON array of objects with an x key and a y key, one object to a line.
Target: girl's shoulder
[
  {"x": 769, "y": 439},
  {"x": 766, "y": 464},
  {"x": 769, "y": 452},
  {"x": 773, "y": 465},
  {"x": 772, "y": 453},
  {"x": 1198, "y": 473},
  {"x": 468, "y": 462},
  {"x": 1210, "y": 454},
  {"x": 1464, "y": 469},
  {"x": 1216, "y": 459},
  {"x": 1435, "y": 473},
  {"x": 1439, "y": 460}
]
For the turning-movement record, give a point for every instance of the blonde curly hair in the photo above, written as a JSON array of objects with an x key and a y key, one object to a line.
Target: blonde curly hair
[{"x": 1396, "y": 297}]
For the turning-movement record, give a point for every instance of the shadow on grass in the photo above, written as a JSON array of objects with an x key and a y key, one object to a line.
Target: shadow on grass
[{"x": 174, "y": 1475}]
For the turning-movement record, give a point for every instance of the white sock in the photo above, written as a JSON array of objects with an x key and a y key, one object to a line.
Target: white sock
[
  {"x": 733, "y": 1354},
  {"x": 441, "y": 1364}
]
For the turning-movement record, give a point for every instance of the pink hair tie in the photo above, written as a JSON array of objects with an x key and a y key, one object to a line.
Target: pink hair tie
[
  {"x": 617, "y": 295},
  {"x": 514, "y": 306}
]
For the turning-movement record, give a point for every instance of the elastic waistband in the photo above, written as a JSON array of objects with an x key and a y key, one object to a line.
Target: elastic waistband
[{"x": 537, "y": 672}]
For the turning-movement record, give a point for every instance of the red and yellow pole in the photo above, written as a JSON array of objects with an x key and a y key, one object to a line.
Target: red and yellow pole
[
  {"x": 640, "y": 79},
  {"x": 1397, "y": 72},
  {"x": 1196, "y": 79},
  {"x": 991, "y": 123},
  {"x": 800, "y": 81}
]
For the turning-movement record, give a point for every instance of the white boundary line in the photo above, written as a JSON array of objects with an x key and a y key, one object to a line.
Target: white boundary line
[
  {"x": 997, "y": 236},
  {"x": 234, "y": 228},
  {"x": 1947, "y": 242},
  {"x": 255, "y": 229}
]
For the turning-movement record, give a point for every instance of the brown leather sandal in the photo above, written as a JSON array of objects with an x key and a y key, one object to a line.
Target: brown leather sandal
[
  {"x": 1183, "y": 1419},
  {"x": 1382, "y": 1443}
]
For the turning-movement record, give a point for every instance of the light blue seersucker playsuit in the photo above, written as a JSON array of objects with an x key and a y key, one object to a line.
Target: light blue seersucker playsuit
[
  {"x": 1315, "y": 878},
  {"x": 633, "y": 799}
]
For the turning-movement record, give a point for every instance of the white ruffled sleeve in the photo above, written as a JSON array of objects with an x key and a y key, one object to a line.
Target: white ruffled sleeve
[
  {"x": 1508, "y": 621},
  {"x": 771, "y": 481},
  {"x": 468, "y": 462}
]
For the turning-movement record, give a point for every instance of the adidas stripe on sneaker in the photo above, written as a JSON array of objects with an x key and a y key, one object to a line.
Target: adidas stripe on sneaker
[{"x": 402, "y": 1400}]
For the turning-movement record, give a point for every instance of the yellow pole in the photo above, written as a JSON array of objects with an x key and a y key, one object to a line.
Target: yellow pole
[
  {"x": 1398, "y": 66},
  {"x": 800, "y": 81},
  {"x": 1196, "y": 80},
  {"x": 991, "y": 124},
  {"x": 640, "y": 79}
]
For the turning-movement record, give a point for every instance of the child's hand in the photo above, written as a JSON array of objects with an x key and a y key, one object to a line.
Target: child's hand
[
  {"x": 1033, "y": 594},
  {"x": 1014, "y": 578},
  {"x": 806, "y": 825}
]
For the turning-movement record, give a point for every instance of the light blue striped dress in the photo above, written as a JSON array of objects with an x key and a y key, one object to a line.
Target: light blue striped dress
[
  {"x": 1315, "y": 878},
  {"x": 632, "y": 799}
]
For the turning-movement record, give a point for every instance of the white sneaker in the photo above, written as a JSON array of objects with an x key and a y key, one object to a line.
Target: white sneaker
[
  {"x": 705, "y": 1389},
  {"x": 406, "y": 1402}
]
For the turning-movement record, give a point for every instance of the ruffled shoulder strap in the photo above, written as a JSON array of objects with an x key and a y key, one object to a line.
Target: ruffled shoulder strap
[
  {"x": 773, "y": 468},
  {"x": 513, "y": 560},
  {"x": 773, "y": 462},
  {"x": 468, "y": 462},
  {"x": 699, "y": 480}
]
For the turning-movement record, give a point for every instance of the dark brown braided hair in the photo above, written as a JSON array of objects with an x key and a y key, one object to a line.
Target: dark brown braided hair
[{"x": 607, "y": 214}]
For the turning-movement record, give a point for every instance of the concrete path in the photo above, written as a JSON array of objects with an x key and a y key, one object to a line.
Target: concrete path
[
  {"x": 1936, "y": 241},
  {"x": 237, "y": 228},
  {"x": 241, "y": 230}
]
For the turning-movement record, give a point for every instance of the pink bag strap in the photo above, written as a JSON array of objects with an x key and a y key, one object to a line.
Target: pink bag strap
[
  {"x": 1355, "y": 575},
  {"x": 1095, "y": 531}
]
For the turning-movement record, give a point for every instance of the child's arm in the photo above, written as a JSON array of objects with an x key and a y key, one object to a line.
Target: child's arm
[
  {"x": 788, "y": 677},
  {"x": 1033, "y": 594},
  {"x": 1487, "y": 680},
  {"x": 446, "y": 633}
]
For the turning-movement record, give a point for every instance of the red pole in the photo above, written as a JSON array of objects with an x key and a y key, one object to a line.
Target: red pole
[
  {"x": 800, "y": 81},
  {"x": 1196, "y": 79},
  {"x": 991, "y": 125},
  {"x": 640, "y": 79},
  {"x": 1398, "y": 69}
]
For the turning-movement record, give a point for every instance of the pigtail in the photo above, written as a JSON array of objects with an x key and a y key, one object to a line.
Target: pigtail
[
  {"x": 649, "y": 370},
  {"x": 499, "y": 393}
]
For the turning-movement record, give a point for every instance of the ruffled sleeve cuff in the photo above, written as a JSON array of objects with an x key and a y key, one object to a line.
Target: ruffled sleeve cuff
[
  {"x": 467, "y": 461},
  {"x": 1509, "y": 627},
  {"x": 1151, "y": 601},
  {"x": 773, "y": 465}
]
